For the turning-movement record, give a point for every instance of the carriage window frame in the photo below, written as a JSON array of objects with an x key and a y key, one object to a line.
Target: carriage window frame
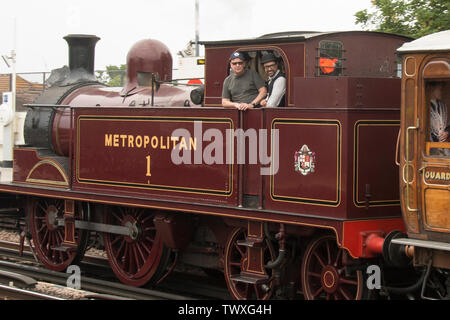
[{"x": 338, "y": 68}]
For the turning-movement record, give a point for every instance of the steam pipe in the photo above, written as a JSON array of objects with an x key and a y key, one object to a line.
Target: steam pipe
[
  {"x": 374, "y": 243},
  {"x": 281, "y": 236}
]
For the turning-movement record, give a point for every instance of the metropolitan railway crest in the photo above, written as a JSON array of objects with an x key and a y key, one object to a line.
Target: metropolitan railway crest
[{"x": 305, "y": 160}]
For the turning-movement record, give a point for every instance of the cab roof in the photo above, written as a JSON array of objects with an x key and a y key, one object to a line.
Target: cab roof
[{"x": 290, "y": 36}]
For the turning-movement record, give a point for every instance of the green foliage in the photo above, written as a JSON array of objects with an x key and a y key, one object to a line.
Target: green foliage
[
  {"x": 114, "y": 76},
  {"x": 413, "y": 18}
]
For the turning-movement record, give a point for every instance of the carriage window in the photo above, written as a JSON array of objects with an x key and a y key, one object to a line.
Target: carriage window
[
  {"x": 438, "y": 99},
  {"x": 330, "y": 58}
]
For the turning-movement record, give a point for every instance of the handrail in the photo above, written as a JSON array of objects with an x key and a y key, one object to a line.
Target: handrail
[
  {"x": 407, "y": 164},
  {"x": 397, "y": 147}
]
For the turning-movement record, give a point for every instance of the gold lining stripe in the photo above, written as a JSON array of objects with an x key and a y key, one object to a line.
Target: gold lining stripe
[
  {"x": 45, "y": 181},
  {"x": 338, "y": 168},
  {"x": 356, "y": 140},
  {"x": 143, "y": 186}
]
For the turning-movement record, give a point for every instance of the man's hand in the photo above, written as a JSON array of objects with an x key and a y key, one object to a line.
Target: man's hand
[{"x": 244, "y": 106}]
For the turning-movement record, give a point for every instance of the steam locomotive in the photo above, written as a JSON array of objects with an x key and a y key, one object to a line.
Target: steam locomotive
[{"x": 302, "y": 198}]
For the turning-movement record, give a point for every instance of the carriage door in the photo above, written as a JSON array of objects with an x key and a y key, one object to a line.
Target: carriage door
[{"x": 434, "y": 158}]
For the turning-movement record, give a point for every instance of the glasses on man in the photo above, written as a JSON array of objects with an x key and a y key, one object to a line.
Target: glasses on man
[
  {"x": 270, "y": 66},
  {"x": 237, "y": 63}
]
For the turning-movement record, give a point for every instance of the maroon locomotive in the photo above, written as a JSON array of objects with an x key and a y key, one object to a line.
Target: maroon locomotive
[{"x": 166, "y": 174}]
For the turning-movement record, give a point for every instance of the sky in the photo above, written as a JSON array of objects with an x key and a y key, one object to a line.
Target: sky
[{"x": 41, "y": 25}]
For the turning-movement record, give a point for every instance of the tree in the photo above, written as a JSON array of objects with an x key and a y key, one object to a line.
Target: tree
[
  {"x": 413, "y": 18},
  {"x": 113, "y": 76}
]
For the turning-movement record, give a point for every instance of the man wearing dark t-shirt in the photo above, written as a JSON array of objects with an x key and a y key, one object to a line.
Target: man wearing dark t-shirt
[{"x": 243, "y": 89}]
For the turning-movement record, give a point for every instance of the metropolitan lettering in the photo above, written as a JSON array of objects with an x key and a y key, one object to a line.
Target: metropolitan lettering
[{"x": 145, "y": 142}]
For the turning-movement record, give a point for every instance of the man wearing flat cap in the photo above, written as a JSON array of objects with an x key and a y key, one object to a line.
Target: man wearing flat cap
[
  {"x": 243, "y": 89},
  {"x": 276, "y": 83}
]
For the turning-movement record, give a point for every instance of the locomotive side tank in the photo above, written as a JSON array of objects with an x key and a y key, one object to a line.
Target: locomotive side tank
[{"x": 268, "y": 196}]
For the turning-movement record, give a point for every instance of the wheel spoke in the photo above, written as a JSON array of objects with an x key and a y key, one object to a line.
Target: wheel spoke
[
  {"x": 319, "y": 258},
  {"x": 60, "y": 206},
  {"x": 319, "y": 291},
  {"x": 136, "y": 258},
  {"x": 327, "y": 244},
  {"x": 117, "y": 239},
  {"x": 119, "y": 251},
  {"x": 314, "y": 274},
  {"x": 338, "y": 256},
  {"x": 43, "y": 209},
  {"x": 60, "y": 236},
  {"x": 117, "y": 217},
  {"x": 349, "y": 281},
  {"x": 144, "y": 245},
  {"x": 238, "y": 248},
  {"x": 345, "y": 294},
  {"x": 42, "y": 228},
  {"x": 141, "y": 254},
  {"x": 45, "y": 238}
]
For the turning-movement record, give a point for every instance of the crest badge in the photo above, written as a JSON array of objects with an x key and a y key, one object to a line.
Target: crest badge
[{"x": 305, "y": 160}]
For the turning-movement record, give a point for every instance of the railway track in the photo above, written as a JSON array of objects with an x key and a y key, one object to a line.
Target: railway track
[
  {"x": 20, "y": 287},
  {"x": 174, "y": 287},
  {"x": 13, "y": 293}
]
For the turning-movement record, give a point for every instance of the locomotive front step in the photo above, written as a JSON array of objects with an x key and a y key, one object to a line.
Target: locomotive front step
[
  {"x": 250, "y": 279},
  {"x": 251, "y": 242}
]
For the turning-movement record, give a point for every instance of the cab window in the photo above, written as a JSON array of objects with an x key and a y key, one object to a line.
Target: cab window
[
  {"x": 254, "y": 62},
  {"x": 330, "y": 58}
]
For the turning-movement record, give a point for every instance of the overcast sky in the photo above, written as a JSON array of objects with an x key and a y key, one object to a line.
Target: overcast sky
[{"x": 41, "y": 25}]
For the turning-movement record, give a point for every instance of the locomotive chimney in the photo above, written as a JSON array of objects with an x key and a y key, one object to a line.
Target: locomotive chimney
[{"x": 81, "y": 58}]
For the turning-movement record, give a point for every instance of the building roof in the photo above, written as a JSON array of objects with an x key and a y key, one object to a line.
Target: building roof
[
  {"x": 21, "y": 84},
  {"x": 439, "y": 41}
]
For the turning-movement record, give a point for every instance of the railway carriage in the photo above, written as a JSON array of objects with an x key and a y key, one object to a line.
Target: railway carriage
[
  {"x": 424, "y": 160},
  {"x": 282, "y": 200}
]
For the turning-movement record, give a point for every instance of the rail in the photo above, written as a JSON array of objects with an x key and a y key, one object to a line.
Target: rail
[
  {"x": 12, "y": 293},
  {"x": 20, "y": 287}
]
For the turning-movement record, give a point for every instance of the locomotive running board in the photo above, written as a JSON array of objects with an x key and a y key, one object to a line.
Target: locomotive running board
[{"x": 423, "y": 243}]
